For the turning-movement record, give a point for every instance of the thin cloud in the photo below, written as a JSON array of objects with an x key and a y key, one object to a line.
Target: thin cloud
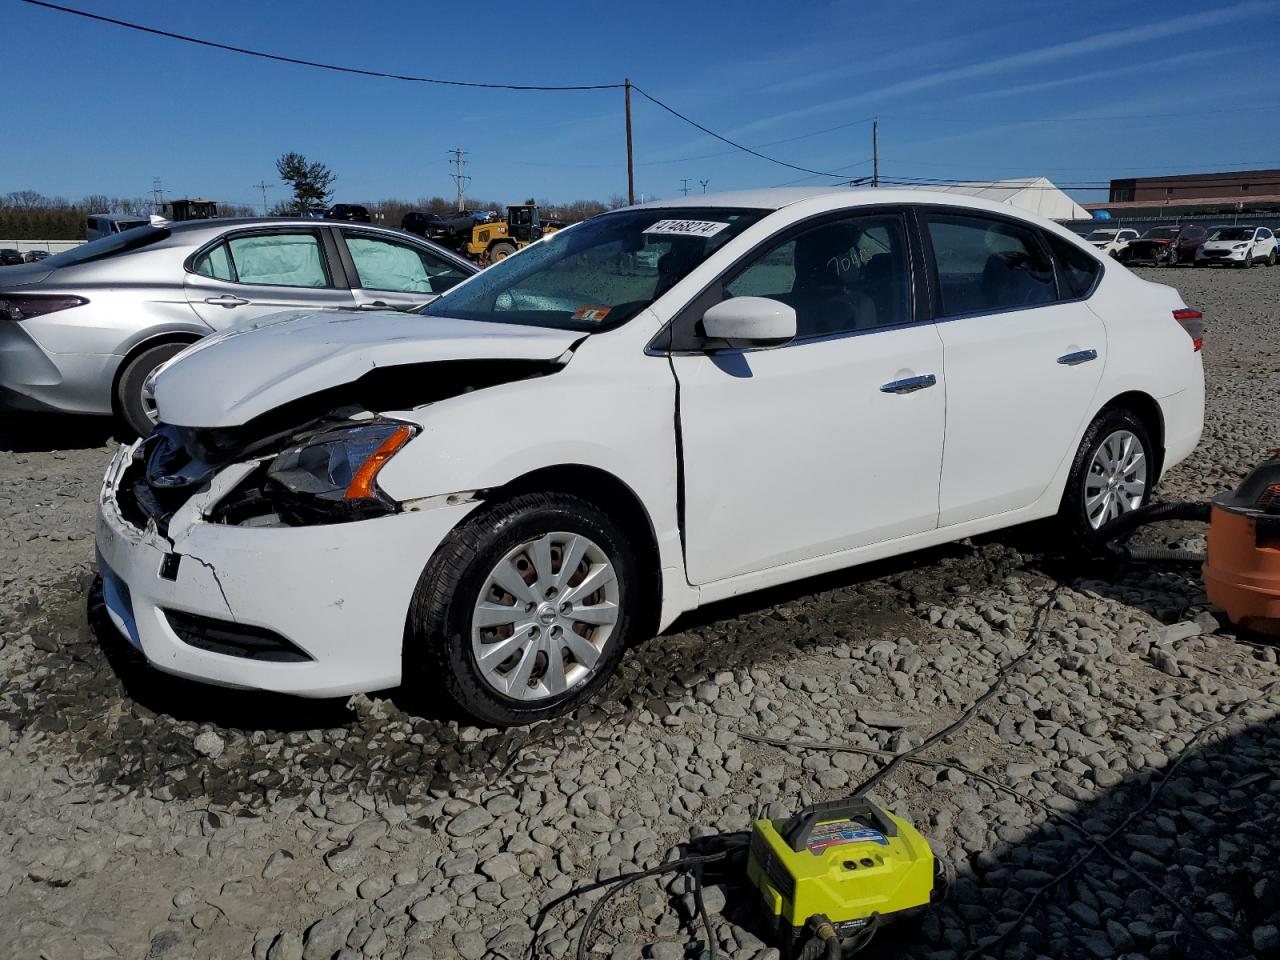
[
  {"x": 1111, "y": 40},
  {"x": 1109, "y": 74}
]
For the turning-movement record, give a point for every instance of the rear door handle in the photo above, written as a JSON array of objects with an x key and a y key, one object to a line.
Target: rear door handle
[
  {"x": 910, "y": 384},
  {"x": 226, "y": 300},
  {"x": 1080, "y": 356},
  {"x": 375, "y": 305}
]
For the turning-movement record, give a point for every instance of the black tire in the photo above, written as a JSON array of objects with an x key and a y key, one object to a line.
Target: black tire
[
  {"x": 1247, "y": 262},
  {"x": 1271, "y": 258},
  {"x": 437, "y": 649},
  {"x": 500, "y": 251},
  {"x": 1073, "y": 521},
  {"x": 130, "y": 409}
]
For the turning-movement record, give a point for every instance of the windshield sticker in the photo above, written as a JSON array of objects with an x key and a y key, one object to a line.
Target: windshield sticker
[
  {"x": 687, "y": 228},
  {"x": 591, "y": 314}
]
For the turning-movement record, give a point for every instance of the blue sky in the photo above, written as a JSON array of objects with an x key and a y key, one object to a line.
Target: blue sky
[{"x": 963, "y": 90}]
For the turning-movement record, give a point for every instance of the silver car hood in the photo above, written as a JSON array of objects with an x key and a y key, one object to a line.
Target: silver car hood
[{"x": 229, "y": 378}]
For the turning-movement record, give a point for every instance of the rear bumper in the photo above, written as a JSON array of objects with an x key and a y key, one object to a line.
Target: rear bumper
[
  {"x": 338, "y": 594},
  {"x": 34, "y": 379},
  {"x": 1183, "y": 422}
]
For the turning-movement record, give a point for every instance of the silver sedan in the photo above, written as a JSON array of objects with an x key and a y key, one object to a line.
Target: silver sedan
[{"x": 80, "y": 332}]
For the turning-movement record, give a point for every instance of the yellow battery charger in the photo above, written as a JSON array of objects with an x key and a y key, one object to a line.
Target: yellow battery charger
[{"x": 845, "y": 860}]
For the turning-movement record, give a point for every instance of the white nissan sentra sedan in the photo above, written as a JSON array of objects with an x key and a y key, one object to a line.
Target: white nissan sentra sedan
[{"x": 654, "y": 409}]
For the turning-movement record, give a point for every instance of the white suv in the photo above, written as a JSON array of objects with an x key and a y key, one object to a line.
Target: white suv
[
  {"x": 1111, "y": 242},
  {"x": 657, "y": 408},
  {"x": 1238, "y": 247}
]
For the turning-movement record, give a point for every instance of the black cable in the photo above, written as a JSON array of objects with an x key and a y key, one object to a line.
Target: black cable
[
  {"x": 701, "y": 905},
  {"x": 1042, "y": 615},
  {"x": 735, "y": 843},
  {"x": 733, "y": 143},
  {"x": 312, "y": 63}
]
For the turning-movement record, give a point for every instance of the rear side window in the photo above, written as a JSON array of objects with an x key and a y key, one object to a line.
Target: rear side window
[
  {"x": 273, "y": 259},
  {"x": 215, "y": 263},
  {"x": 1077, "y": 271},
  {"x": 989, "y": 265}
]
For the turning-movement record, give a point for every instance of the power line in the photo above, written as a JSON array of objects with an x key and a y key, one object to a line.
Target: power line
[
  {"x": 733, "y": 143},
  {"x": 280, "y": 58}
]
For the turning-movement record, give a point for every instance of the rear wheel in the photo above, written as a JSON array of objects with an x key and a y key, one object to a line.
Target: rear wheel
[
  {"x": 500, "y": 251},
  {"x": 1111, "y": 475},
  {"x": 1271, "y": 258},
  {"x": 135, "y": 409},
  {"x": 525, "y": 610}
]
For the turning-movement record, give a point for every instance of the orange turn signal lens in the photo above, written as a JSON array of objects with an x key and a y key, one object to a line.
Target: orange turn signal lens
[{"x": 361, "y": 486}]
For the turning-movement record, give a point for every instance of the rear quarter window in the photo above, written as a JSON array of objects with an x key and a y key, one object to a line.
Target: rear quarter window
[{"x": 1077, "y": 270}]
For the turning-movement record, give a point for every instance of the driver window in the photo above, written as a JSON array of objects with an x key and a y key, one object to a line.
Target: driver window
[{"x": 842, "y": 276}]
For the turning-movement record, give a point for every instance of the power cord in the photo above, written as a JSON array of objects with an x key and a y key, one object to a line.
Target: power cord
[
  {"x": 1037, "y": 630},
  {"x": 735, "y": 844}
]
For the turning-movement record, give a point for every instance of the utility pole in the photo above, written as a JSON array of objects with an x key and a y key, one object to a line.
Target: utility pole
[
  {"x": 704, "y": 184},
  {"x": 875, "y": 151},
  {"x": 459, "y": 178},
  {"x": 264, "y": 187},
  {"x": 684, "y": 186},
  {"x": 157, "y": 194},
  {"x": 631, "y": 178}
]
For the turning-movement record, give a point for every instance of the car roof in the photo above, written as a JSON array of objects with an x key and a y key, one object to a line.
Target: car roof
[
  {"x": 776, "y": 198},
  {"x": 219, "y": 224}
]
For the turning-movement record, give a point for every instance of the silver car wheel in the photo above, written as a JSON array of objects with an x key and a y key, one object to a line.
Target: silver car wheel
[
  {"x": 544, "y": 616},
  {"x": 1117, "y": 479}
]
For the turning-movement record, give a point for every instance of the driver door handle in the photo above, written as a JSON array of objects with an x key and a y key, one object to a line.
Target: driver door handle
[
  {"x": 375, "y": 305},
  {"x": 226, "y": 300},
  {"x": 910, "y": 384},
  {"x": 1080, "y": 356}
]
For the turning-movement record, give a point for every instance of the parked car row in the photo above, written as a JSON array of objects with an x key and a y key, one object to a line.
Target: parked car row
[
  {"x": 638, "y": 415},
  {"x": 1173, "y": 244},
  {"x": 90, "y": 325}
]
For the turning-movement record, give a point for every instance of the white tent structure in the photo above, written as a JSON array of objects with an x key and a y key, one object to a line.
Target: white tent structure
[{"x": 1035, "y": 194}]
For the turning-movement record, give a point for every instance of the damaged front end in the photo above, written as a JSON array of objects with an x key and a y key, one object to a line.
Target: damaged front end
[{"x": 312, "y": 461}]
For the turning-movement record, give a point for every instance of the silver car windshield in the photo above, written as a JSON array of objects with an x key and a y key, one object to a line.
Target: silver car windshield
[{"x": 598, "y": 274}]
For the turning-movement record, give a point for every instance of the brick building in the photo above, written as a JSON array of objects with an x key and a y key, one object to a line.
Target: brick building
[{"x": 1237, "y": 191}]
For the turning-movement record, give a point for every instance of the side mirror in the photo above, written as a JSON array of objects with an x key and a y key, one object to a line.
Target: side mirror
[{"x": 750, "y": 322}]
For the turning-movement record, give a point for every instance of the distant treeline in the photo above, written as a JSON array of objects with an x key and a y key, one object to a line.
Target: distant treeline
[{"x": 27, "y": 215}]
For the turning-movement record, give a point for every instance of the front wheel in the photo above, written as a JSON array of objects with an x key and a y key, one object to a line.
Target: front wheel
[
  {"x": 525, "y": 610},
  {"x": 1112, "y": 474},
  {"x": 500, "y": 251}
]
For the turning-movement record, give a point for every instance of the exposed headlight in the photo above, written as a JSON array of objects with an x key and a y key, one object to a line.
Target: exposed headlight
[
  {"x": 1239, "y": 246},
  {"x": 332, "y": 475}
]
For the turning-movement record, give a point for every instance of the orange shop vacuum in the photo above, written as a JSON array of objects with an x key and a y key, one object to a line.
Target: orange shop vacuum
[{"x": 1242, "y": 567}]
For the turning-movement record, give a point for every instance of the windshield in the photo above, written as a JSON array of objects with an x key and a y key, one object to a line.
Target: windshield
[
  {"x": 1102, "y": 235},
  {"x": 1232, "y": 233},
  {"x": 598, "y": 274},
  {"x": 1161, "y": 233},
  {"x": 108, "y": 246}
]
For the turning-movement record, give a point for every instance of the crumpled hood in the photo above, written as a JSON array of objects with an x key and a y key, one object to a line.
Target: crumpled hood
[{"x": 229, "y": 378}]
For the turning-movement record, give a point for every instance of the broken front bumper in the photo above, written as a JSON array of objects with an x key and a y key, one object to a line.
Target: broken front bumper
[{"x": 316, "y": 611}]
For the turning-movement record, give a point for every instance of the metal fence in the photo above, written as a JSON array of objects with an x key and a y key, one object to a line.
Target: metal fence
[{"x": 52, "y": 246}]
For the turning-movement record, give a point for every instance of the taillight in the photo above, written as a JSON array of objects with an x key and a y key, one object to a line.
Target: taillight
[
  {"x": 14, "y": 306},
  {"x": 1192, "y": 321}
]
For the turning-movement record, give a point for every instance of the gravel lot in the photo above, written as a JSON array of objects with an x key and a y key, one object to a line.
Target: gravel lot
[{"x": 145, "y": 817}]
